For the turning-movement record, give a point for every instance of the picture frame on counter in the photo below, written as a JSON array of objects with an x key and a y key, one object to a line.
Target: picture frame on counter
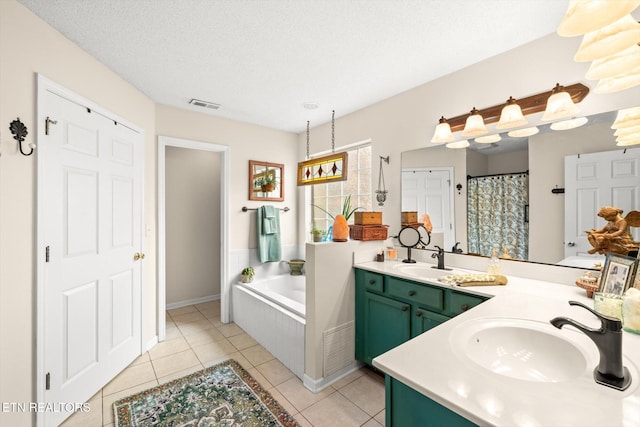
[{"x": 618, "y": 274}]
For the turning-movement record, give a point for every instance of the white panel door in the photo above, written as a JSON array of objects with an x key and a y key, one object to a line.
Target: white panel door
[
  {"x": 610, "y": 178},
  {"x": 429, "y": 191},
  {"x": 90, "y": 179}
]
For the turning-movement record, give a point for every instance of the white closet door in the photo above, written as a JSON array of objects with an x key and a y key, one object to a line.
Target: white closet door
[{"x": 91, "y": 204}]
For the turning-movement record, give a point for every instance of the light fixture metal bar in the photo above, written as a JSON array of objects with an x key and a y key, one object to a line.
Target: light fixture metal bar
[{"x": 529, "y": 105}]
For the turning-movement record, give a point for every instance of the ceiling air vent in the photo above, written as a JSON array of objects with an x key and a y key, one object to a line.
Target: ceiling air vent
[{"x": 205, "y": 104}]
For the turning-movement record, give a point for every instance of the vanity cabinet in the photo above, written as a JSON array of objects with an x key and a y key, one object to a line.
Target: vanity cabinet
[{"x": 391, "y": 310}]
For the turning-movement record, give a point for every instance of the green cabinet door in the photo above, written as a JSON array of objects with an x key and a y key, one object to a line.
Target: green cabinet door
[
  {"x": 387, "y": 324},
  {"x": 422, "y": 320},
  {"x": 406, "y": 407}
]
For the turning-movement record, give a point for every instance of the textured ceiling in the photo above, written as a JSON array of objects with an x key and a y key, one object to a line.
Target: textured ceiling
[{"x": 262, "y": 60}]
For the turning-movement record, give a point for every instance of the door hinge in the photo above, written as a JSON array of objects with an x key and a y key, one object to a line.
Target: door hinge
[
  {"x": 47, "y": 381},
  {"x": 46, "y": 254},
  {"x": 48, "y": 122}
]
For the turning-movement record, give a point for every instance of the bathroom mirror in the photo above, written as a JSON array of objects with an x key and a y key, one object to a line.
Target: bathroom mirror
[
  {"x": 444, "y": 171},
  {"x": 266, "y": 181}
]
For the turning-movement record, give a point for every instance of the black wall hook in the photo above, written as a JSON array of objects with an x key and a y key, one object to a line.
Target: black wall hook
[{"x": 20, "y": 132}]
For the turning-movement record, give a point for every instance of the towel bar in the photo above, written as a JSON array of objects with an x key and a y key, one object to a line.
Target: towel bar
[{"x": 245, "y": 209}]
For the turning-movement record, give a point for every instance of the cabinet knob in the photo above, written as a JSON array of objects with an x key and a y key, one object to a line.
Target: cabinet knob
[
  {"x": 465, "y": 307},
  {"x": 372, "y": 282},
  {"x": 412, "y": 293},
  {"x": 418, "y": 313},
  {"x": 404, "y": 308}
]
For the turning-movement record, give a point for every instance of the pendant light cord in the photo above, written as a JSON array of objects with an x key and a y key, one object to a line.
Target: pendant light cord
[
  {"x": 333, "y": 131},
  {"x": 307, "y": 139}
]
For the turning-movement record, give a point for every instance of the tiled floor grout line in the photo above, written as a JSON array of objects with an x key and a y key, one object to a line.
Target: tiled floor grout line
[{"x": 275, "y": 387}]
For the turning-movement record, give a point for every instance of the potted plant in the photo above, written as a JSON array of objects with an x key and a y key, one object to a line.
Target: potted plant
[
  {"x": 268, "y": 181},
  {"x": 340, "y": 229},
  {"x": 247, "y": 275},
  {"x": 318, "y": 234}
]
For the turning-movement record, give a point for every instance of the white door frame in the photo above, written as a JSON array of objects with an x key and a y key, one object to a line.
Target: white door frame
[
  {"x": 46, "y": 85},
  {"x": 166, "y": 141}
]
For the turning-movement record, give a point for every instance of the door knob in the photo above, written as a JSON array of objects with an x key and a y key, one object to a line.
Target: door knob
[
  {"x": 571, "y": 244},
  {"x": 138, "y": 256}
]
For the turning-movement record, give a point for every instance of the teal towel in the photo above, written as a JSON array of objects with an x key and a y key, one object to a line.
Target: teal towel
[
  {"x": 269, "y": 248},
  {"x": 269, "y": 223}
]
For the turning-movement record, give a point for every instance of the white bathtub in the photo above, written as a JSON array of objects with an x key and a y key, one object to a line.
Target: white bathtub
[{"x": 272, "y": 312}]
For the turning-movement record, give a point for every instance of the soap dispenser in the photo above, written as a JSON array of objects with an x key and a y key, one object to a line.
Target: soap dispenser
[{"x": 494, "y": 264}]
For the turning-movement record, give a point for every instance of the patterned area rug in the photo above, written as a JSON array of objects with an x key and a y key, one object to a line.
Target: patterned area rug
[{"x": 222, "y": 395}]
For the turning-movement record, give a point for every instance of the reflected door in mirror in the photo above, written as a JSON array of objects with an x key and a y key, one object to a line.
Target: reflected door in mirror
[{"x": 429, "y": 191}]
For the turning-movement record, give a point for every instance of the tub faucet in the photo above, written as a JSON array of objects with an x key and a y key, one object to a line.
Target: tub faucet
[
  {"x": 440, "y": 256},
  {"x": 608, "y": 339}
]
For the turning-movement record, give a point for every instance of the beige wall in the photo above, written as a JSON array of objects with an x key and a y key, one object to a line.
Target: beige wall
[
  {"x": 29, "y": 46},
  {"x": 192, "y": 212},
  {"x": 246, "y": 142},
  {"x": 407, "y": 121}
]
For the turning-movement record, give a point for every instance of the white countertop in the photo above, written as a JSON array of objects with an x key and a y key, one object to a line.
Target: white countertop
[{"x": 431, "y": 364}]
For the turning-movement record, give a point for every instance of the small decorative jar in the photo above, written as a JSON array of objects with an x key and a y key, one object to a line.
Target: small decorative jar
[
  {"x": 608, "y": 304},
  {"x": 631, "y": 311}
]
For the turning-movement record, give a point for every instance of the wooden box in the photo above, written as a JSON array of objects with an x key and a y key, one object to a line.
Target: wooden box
[
  {"x": 368, "y": 232},
  {"x": 409, "y": 217},
  {"x": 367, "y": 218}
]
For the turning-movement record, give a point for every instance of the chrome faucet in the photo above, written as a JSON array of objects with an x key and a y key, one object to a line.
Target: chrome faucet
[
  {"x": 440, "y": 256},
  {"x": 608, "y": 339}
]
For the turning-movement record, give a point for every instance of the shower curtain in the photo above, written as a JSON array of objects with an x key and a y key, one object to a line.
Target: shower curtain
[{"x": 497, "y": 214}]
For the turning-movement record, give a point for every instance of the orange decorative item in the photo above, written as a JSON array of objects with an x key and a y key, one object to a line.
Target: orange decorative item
[
  {"x": 340, "y": 231},
  {"x": 427, "y": 222}
]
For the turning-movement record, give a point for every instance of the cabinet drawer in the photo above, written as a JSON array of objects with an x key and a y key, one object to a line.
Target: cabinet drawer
[
  {"x": 422, "y": 294},
  {"x": 463, "y": 302},
  {"x": 373, "y": 281}
]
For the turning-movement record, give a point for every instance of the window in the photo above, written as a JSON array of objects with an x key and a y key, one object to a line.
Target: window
[{"x": 331, "y": 196}]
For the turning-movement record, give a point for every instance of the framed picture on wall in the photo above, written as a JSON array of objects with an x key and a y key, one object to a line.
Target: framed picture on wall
[{"x": 618, "y": 274}]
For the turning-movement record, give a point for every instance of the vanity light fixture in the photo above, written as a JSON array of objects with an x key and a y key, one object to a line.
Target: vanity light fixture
[
  {"x": 474, "y": 126},
  {"x": 627, "y": 117},
  {"x": 488, "y": 139},
  {"x": 628, "y": 140},
  {"x": 609, "y": 28},
  {"x": 609, "y": 40},
  {"x": 618, "y": 83},
  {"x": 443, "y": 132},
  {"x": 622, "y": 132},
  {"x": 617, "y": 64},
  {"x": 559, "y": 105},
  {"x": 583, "y": 16},
  {"x": 528, "y": 105},
  {"x": 576, "y": 122},
  {"x": 458, "y": 144},
  {"x": 511, "y": 116},
  {"x": 521, "y": 133}
]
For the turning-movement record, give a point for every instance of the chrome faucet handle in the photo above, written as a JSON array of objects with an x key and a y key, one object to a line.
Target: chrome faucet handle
[{"x": 608, "y": 323}]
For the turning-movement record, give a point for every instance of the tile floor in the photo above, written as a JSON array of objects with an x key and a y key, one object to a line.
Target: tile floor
[{"x": 197, "y": 339}]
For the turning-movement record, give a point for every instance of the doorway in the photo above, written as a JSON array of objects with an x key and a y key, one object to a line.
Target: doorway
[{"x": 163, "y": 143}]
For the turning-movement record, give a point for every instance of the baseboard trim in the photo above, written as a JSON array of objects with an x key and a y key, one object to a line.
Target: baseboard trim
[
  {"x": 322, "y": 383},
  {"x": 150, "y": 344},
  {"x": 185, "y": 303}
]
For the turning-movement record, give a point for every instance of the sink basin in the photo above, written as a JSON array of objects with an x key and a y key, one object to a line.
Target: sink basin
[
  {"x": 423, "y": 271},
  {"x": 520, "y": 349}
]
